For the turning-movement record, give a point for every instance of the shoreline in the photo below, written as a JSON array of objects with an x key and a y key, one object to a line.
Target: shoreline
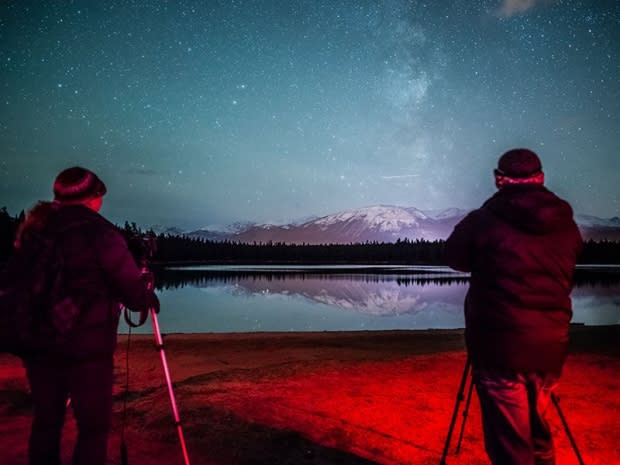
[{"x": 582, "y": 337}]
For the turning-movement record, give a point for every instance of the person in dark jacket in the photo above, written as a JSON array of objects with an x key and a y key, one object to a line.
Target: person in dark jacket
[
  {"x": 521, "y": 247},
  {"x": 99, "y": 273}
]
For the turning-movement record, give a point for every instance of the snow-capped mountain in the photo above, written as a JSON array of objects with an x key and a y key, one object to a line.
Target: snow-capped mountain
[
  {"x": 375, "y": 223},
  {"x": 589, "y": 221},
  {"x": 446, "y": 213},
  {"x": 380, "y": 218},
  {"x": 219, "y": 232},
  {"x": 382, "y": 223},
  {"x": 593, "y": 227},
  {"x": 166, "y": 230}
]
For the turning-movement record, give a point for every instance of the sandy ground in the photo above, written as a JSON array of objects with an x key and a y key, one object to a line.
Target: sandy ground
[{"x": 354, "y": 398}]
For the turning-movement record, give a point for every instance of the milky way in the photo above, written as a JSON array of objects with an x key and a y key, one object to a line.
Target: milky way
[{"x": 197, "y": 113}]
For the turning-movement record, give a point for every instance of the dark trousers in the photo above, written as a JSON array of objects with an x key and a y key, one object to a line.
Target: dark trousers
[
  {"x": 89, "y": 386},
  {"x": 513, "y": 405}
]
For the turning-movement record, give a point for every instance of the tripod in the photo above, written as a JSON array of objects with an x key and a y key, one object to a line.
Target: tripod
[
  {"x": 461, "y": 396},
  {"x": 159, "y": 346}
]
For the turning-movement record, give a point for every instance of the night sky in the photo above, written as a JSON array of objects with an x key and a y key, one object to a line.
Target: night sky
[{"x": 211, "y": 112}]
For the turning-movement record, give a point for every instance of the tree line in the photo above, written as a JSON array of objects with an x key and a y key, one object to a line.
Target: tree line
[
  {"x": 174, "y": 278},
  {"x": 182, "y": 249}
]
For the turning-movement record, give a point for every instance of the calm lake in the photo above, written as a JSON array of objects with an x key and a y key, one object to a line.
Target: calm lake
[{"x": 333, "y": 298}]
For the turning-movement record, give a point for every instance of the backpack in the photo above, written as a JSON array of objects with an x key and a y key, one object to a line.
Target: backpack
[{"x": 36, "y": 315}]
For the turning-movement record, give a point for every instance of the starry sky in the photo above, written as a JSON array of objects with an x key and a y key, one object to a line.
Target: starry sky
[{"x": 197, "y": 113}]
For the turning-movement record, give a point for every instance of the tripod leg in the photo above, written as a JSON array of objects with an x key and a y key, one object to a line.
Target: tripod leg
[
  {"x": 159, "y": 344},
  {"x": 177, "y": 419},
  {"x": 556, "y": 402},
  {"x": 465, "y": 413},
  {"x": 459, "y": 398}
]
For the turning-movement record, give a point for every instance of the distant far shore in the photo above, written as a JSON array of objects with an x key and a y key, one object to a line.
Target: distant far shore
[{"x": 337, "y": 266}]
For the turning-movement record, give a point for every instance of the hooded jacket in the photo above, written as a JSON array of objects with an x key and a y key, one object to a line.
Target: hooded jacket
[
  {"x": 99, "y": 273},
  {"x": 521, "y": 247}
]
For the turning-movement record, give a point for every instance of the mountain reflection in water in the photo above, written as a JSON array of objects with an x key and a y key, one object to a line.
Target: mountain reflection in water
[
  {"x": 374, "y": 291},
  {"x": 259, "y": 298}
]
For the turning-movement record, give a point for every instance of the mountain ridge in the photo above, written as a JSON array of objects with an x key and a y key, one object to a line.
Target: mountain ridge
[{"x": 380, "y": 223}]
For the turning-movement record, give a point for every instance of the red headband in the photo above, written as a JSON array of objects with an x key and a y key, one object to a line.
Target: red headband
[{"x": 501, "y": 181}]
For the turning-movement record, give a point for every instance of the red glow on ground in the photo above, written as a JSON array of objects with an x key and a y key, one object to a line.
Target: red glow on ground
[
  {"x": 245, "y": 404},
  {"x": 399, "y": 412}
]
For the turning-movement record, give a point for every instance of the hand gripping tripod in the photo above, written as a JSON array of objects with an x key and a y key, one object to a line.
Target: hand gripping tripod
[
  {"x": 461, "y": 396},
  {"x": 149, "y": 247}
]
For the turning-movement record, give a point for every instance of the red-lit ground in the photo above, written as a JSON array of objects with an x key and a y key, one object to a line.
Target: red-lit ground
[{"x": 328, "y": 398}]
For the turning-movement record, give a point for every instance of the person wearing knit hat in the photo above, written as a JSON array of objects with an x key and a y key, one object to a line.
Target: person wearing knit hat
[
  {"x": 520, "y": 247},
  {"x": 519, "y": 166},
  {"x": 98, "y": 273},
  {"x": 77, "y": 184}
]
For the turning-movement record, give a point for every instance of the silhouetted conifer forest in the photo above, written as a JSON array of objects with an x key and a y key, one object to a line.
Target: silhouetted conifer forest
[{"x": 184, "y": 250}]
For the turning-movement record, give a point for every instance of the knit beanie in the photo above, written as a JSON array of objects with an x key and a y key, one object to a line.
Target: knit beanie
[
  {"x": 77, "y": 184},
  {"x": 518, "y": 163}
]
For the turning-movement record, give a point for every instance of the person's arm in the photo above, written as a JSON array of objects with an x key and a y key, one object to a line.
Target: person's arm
[
  {"x": 459, "y": 249},
  {"x": 122, "y": 273}
]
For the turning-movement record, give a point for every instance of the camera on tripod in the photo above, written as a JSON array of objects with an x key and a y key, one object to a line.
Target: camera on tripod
[{"x": 143, "y": 248}]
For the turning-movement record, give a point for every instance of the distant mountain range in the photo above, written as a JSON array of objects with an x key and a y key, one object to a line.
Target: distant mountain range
[{"x": 375, "y": 223}]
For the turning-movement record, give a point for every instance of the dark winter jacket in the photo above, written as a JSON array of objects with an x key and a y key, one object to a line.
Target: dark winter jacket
[
  {"x": 520, "y": 247},
  {"x": 99, "y": 272}
]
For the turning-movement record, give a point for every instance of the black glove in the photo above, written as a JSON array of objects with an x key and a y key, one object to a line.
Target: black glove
[
  {"x": 153, "y": 302},
  {"x": 148, "y": 278}
]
